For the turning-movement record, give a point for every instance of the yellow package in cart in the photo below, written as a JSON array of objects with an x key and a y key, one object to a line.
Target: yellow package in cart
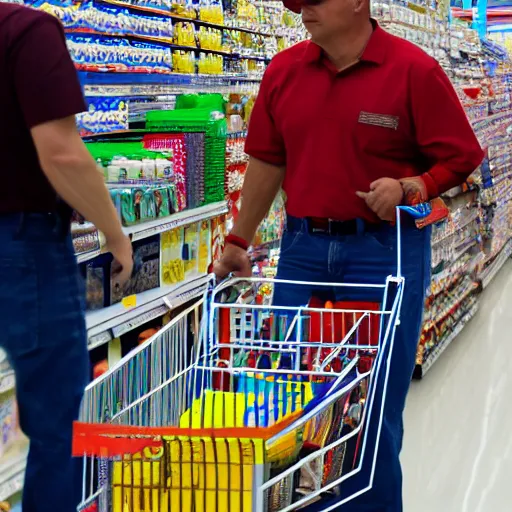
[{"x": 188, "y": 473}]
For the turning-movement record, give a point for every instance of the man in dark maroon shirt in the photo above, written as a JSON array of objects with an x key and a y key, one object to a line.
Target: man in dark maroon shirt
[
  {"x": 351, "y": 124},
  {"x": 44, "y": 163}
]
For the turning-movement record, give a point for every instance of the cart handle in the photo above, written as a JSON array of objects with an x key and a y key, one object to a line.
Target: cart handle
[{"x": 418, "y": 212}]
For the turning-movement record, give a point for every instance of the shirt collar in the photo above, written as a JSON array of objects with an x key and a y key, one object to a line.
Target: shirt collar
[{"x": 374, "y": 51}]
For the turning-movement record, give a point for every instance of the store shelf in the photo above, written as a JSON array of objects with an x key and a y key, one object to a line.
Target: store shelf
[
  {"x": 456, "y": 228},
  {"x": 7, "y": 381},
  {"x": 12, "y": 469},
  {"x": 447, "y": 311},
  {"x": 421, "y": 370},
  {"x": 175, "y": 17},
  {"x": 165, "y": 42},
  {"x": 132, "y": 85},
  {"x": 86, "y": 256},
  {"x": 489, "y": 273},
  {"x": 114, "y": 321},
  {"x": 147, "y": 229},
  {"x": 210, "y": 211}
]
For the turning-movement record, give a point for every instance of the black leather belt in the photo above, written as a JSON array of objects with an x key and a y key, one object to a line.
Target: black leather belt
[{"x": 319, "y": 226}]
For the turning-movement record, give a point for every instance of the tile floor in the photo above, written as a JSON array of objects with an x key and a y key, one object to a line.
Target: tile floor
[{"x": 458, "y": 444}]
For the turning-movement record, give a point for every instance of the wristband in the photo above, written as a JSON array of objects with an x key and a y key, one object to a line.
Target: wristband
[{"x": 237, "y": 242}]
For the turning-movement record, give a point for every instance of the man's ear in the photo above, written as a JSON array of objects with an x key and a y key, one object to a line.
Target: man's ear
[{"x": 359, "y": 5}]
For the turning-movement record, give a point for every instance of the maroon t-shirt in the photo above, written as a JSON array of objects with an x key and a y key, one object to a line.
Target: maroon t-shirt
[{"x": 38, "y": 83}]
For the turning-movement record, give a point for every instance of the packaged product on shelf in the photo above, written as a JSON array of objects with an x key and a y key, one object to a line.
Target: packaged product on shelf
[
  {"x": 219, "y": 233},
  {"x": 205, "y": 244},
  {"x": 107, "y": 53},
  {"x": 210, "y": 39},
  {"x": 97, "y": 281},
  {"x": 184, "y": 8},
  {"x": 134, "y": 205},
  {"x": 104, "y": 115},
  {"x": 85, "y": 237},
  {"x": 211, "y": 11},
  {"x": 184, "y": 34},
  {"x": 174, "y": 143},
  {"x": 171, "y": 256},
  {"x": 198, "y": 114},
  {"x": 146, "y": 272},
  {"x": 190, "y": 250},
  {"x": 184, "y": 61},
  {"x": 195, "y": 145},
  {"x": 209, "y": 64},
  {"x": 9, "y": 423}
]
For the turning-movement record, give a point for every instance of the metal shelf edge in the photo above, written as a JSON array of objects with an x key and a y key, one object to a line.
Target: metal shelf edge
[
  {"x": 116, "y": 321},
  {"x": 12, "y": 473},
  {"x": 184, "y": 218},
  {"x": 490, "y": 273},
  {"x": 141, "y": 231},
  {"x": 434, "y": 356}
]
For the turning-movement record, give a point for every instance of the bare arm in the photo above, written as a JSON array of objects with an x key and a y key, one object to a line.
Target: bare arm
[
  {"x": 73, "y": 174},
  {"x": 261, "y": 185}
]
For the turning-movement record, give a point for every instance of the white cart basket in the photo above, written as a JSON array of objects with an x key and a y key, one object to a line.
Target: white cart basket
[{"x": 241, "y": 406}]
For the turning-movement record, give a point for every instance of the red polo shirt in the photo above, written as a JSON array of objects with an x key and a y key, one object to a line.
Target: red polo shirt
[{"x": 393, "y": 114}]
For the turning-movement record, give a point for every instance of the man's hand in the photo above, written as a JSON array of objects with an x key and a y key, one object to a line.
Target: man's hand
[
  {"x": 121, "y": 249},
  {"x": 234, "y": 260},
  {"x": 384, "y": 196}
]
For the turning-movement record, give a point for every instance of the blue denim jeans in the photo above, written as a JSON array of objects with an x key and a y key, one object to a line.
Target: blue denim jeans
[
  {"x": 43, "y": 332},
  {"x": 367, "y": 258}
]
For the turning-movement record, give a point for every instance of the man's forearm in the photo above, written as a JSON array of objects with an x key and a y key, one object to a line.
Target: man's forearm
[
  {"x": 82, "y": 186},
  {"x": 73, "y": 173},
  {"x": 261, "y": 185}
]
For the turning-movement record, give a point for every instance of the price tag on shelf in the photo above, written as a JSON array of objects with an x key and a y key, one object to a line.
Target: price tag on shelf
[{"x": 129, "y": 302}]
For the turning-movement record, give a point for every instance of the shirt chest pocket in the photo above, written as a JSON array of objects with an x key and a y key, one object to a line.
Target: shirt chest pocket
[{"x": 382, "y": 135}]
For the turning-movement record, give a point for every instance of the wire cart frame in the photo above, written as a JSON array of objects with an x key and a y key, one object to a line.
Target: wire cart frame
[{"x": 241, "y": 406}]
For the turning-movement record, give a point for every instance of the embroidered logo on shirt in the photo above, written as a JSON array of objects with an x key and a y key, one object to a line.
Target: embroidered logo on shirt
[{"x": 379, "y": 120}]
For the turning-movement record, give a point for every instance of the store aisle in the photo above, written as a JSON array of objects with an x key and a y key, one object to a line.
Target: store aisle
[{"x": 458, "y": 444}]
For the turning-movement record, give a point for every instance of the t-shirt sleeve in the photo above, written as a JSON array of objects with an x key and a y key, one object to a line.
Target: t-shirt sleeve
[
  {"x": 264, "y": 140},
  {"x": 45, "y": 79}
]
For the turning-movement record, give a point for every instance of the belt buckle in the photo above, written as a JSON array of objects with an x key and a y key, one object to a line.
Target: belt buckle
[{"x": 321, "y": 229}]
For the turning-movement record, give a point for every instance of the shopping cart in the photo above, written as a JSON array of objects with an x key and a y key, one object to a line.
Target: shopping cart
[{"x": 272, "y": 412}]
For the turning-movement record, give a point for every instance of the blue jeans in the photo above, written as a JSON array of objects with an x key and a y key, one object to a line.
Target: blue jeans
[
  {"x": 367, "y": 258},
  {"x": 43, "y": 332}
]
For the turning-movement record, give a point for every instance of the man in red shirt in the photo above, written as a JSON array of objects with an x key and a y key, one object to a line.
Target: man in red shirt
[
  {"x": 350, "y": 124},
  {"x": 41, "y": 294}
]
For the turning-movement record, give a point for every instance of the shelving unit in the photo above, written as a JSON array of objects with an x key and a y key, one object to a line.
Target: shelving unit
[
  {"x": 147, "y": 229},
  {"x": 105, "y": 324},
  {"x": 492, "y": 270},
  {"x": 421, "y": 370},
  {"x": 184, "y": 19},
  {"x": 12, "y": 469},
  {"x": 167, "y": 43}
]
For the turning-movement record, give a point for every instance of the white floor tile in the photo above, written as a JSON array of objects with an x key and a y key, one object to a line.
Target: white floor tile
[{"x": 458, "y": 424}]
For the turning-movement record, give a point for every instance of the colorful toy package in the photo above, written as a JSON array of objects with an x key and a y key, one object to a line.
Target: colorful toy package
[{"x": 146, "y": 272}]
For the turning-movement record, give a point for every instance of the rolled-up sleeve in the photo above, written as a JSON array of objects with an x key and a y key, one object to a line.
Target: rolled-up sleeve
[
  {"x": 264, "y": 140},
  {"x": 443, "y": 132}
]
